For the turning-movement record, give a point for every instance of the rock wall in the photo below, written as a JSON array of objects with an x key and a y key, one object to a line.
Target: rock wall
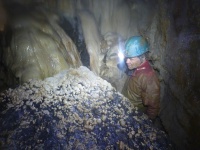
[
  {"x": 3, "y": 17},
  {"x": 39, "y": 47},
  {"x": 177, "y": 58}
]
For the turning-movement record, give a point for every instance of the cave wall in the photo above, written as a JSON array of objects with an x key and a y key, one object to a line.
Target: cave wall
[
  {"x": 172, "y": 28},
  {"x": 38, "y": 47},
  {"x": 180, "y": 73}
]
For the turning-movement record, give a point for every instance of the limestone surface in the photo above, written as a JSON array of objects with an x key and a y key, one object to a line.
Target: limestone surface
[{"x": 75, "y": 109}]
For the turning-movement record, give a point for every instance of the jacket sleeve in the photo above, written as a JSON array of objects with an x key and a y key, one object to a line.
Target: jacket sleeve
[
  {"x": 150, "y": 94},
  {"x": 132, "y": 91}
]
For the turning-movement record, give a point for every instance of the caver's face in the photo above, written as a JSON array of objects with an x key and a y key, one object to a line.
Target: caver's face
[{"x": 133, "y": 62}]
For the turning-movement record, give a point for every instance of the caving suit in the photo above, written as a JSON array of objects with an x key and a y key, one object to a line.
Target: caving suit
[{"x": 142, "y": 88}]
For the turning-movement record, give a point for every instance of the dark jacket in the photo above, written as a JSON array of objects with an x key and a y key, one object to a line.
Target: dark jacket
[{"x": 142, "y": 88}]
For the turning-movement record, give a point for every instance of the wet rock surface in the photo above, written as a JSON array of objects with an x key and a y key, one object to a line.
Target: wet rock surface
[{"x": 74, "y": 110}]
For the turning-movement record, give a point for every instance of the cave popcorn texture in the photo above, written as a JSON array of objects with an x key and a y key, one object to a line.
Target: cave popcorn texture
[{"x": 75, "y": 109}]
